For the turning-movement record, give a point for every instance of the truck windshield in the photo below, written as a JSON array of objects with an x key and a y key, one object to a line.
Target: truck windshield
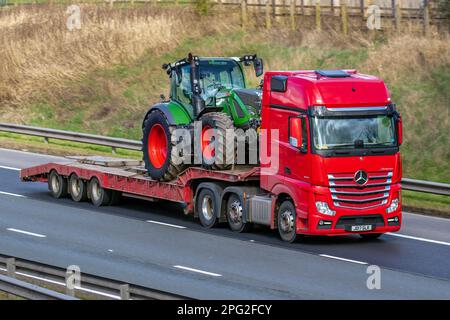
[{"x": 347, "y": 132}]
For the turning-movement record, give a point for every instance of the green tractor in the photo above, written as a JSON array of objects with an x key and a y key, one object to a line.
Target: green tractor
[{"x": 210, "y": 91}]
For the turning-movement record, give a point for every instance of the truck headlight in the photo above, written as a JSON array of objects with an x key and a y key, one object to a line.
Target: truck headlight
[
  {"x": 393, "y": 207},
  {"x": 322, "y": 207}
]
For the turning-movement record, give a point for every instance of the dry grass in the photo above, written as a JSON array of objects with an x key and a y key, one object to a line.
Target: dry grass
[{"x": 39, "y": 54}]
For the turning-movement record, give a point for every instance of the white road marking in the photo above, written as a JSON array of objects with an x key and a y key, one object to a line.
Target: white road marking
[
  {"x": 418, "y": 239},
  {"x": 342, "y": 259},
  {"x": 12, "y": 194},
  {"x": 199, "y": 271},
  {"x": 27, "y": 233},
  {"x": 10, "y": 168},
  {"x": 166, "y": 224}
]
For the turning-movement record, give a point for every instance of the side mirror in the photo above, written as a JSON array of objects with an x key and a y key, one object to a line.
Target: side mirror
[
  {"x": 259, "y": 67},
  {"x": 295, "y": 130},
  {"x": 399, "y": 125}
]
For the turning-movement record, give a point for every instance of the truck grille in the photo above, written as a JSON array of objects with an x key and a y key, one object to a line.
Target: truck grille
[{"x": 346, "y": 193}]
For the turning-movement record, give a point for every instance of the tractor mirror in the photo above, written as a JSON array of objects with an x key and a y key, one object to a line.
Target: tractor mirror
[
  {"x": 295, "y": 132},
  {"x": 259, "y": 66}
]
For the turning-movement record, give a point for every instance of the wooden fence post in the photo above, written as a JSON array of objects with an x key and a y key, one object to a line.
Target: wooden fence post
[
  {"x": 344, "y": 17},
  {"x": 426, "y": 17},
  {"x": 318, "y": 24},
  {"x": 292, "y": 15},
  {"x": 268, "y": 14},
  {"x": 11, "y": 267},
  {"x": 398, "y": 14},
  {"x": 111, "y": 3},
  {"x": 244, "y": 13}
]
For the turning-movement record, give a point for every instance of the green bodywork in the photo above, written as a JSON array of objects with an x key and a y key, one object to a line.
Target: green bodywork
[{"x": 225, "y": 98}]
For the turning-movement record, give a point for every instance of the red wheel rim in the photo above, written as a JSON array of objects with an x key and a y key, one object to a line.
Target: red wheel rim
[
  {"x": 208, "y": 152},
  {"x": 157, "y": 146}
]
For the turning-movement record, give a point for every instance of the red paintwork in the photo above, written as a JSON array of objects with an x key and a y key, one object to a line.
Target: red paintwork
[
  {"x": 157, "y": 146},
  {"x": 307, "y": 181},
  {"x": 179, "y": 190}
]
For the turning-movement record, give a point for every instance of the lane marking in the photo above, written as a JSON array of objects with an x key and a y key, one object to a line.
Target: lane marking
[
  {"x": 63, "y": 284},
  {"x": 342, "y": 259},
  {"x": 12, "y": 194},
  {"x": 418, "y": 238},
  {"x": 27, "y": 233},
  {"x": 10, "y": 168},
  {"x": 166, "y": 224},
  {"x": 199, "y": 271}
]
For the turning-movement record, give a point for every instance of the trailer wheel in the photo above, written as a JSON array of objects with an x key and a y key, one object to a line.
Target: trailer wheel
[
  {"x": 207, "y": 207},
  {"x": 77, "y": 188},
  {"x": 99, "y": 196},
  {"x": 57, "y": 185},
  {"x": 369, "y": 236},
  {"x": 235, "y": 211},
  {"x": 286, "y": 221}
]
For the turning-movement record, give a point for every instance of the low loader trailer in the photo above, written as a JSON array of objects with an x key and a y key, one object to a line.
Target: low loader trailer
[{"x": 338, "y": 172}]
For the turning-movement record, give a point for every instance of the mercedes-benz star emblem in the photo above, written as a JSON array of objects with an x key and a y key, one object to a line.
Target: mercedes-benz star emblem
[{"x": 361, "y": 177}]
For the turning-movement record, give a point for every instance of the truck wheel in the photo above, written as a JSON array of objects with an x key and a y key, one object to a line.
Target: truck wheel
[
  {"x": 207, "y": 208},
  {"x": 370, "y": 236},
  {"x": 235, "y": 213},
  {"x": 286, "y": 222},
  {"x": 57, "y": 185},
  {"x": 77, "y": 188},
  {"x": 99, "y": 196},
  {"x": 216, "y": 157},
  {"x": 159, "y": 154}
]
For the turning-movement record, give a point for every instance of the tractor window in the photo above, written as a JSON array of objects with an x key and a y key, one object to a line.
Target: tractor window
[{"x": 183, "y": 92}]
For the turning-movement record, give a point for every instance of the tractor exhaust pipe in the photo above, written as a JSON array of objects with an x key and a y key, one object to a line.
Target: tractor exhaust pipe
[{"x": 198, "y": 103}]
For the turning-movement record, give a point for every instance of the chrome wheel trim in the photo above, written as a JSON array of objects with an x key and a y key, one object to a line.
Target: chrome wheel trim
[
  {"x": 287, "y": 221},
  {"x": 55, "y": 183},
  {"x": 207, "y": 207},
  {"x": 96, "y": 191},
  {"x": 235, "y": 212}
]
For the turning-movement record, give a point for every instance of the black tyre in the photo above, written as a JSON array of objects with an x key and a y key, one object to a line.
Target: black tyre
[
  {"x": 162, "y": 160},
  {"x": 77, "y": 188},
  {"x": 235, "y": 212},
  {"x": 370, "y": 236},
  {"x": 207, "y": 208},
  {"x": 99, "y": 196},
  {"x": 216, "y": 150},
  {"x": 57, "y": 185},
  {"x": 287, "y": 221}
]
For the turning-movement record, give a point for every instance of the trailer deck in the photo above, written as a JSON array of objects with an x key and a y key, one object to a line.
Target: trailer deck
[{"x": 129, "y": 176}]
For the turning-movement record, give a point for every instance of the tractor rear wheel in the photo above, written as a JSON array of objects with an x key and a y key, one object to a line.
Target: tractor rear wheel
[
  {"x": 160, "y": 157},
  {"x": 217, "y": 152}
]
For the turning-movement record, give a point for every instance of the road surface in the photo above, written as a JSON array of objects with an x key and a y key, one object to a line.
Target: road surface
[{"x": 153, "y": 244}]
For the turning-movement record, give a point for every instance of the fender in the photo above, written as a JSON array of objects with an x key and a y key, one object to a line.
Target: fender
[{"x": 173, "y": 112}]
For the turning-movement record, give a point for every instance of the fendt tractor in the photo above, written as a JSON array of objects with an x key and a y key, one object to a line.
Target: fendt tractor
[{"x": 338, "y": 166}]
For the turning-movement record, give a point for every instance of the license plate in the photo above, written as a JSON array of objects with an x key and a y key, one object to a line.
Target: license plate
[{"x": 366, "y": 227}]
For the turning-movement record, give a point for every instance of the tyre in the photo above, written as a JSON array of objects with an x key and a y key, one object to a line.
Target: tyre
[
  {"x": 57, "y": 185},
  {"x": 162, "y": 160},
  {"x": 370, "y": 236},
  {"x": 77, "y": 188},
  {"x": 235, "y": 212},
  {"x": 287, "y": 221},
  {"x": 116, "y": 198},
  {"x": 216, "y": 150},
  {"x": 207, "y": 208},
  {"x": 99, "y": 196}
]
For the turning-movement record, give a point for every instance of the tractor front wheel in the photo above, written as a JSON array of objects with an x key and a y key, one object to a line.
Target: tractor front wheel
[{"x": 217, "y": 152}]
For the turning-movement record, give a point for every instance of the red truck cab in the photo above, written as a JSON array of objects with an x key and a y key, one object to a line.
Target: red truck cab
[{"x": 339, "y": 162}]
